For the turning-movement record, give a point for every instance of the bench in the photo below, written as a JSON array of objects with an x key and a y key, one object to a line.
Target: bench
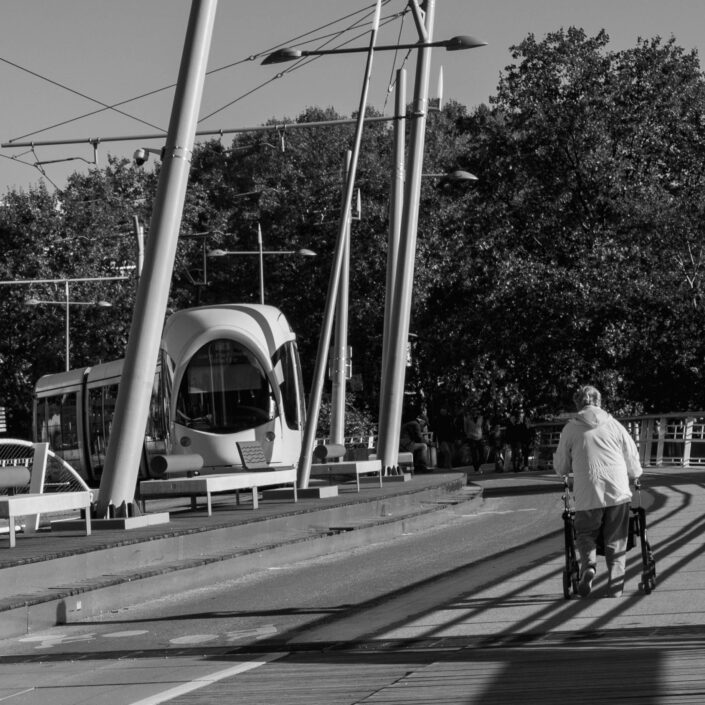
[
  {"x": 348, "y": 467},
  {"x": 20, "y": 504},
  {"x": 405, "y": 460},
  {"x": 29, "y": 474},
  {"x": 257, "y": 473}
]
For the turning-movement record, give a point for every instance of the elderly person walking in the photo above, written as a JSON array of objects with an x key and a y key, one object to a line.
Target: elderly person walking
[{"x": 602, "y": 456}]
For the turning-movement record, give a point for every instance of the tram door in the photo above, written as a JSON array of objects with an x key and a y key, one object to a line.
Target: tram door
[
  {"x": 102, "y": 392},
  {"x": 101, "y": 396},
  {"x": 57, "y": 422}
]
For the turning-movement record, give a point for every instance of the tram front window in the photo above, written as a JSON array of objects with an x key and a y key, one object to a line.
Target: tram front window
[{"x": 224, "y": 390}]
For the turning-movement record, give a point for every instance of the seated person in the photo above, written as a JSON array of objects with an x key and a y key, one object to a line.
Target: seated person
[{"x": 412, "y": 442}]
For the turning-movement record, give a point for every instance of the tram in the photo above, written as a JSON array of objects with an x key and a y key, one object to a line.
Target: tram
[{"x": 225, "y": 373}]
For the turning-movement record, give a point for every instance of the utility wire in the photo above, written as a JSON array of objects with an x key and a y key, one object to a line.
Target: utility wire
[
  {"x": 75, "y": 92},
  {"x": 299, "y": 64},
  {"x": 392, "y": 79},
  {"x": 304, "y": 61}
]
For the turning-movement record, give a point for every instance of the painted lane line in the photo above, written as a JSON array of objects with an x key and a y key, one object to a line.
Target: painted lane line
[
  {"x": 193, "y": 639},
  {"x": 506, "y": 511},
  {"x": 18, "y": 693},
  {"x": 204, "y": 681}
]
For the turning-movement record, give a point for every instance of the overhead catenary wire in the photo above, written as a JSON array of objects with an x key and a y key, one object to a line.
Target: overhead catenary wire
[
  {"x": 153, "y": 92},
  {"x": 304, "y": 61}
]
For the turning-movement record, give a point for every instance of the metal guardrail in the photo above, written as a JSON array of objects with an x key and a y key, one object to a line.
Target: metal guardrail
[{"x": 675, "y": 439}]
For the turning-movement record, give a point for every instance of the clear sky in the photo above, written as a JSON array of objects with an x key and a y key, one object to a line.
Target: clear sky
[{"x": 114, "y": 50}]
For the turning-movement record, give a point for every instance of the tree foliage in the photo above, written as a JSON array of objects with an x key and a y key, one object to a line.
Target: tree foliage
[{"x": 577, "y": 256}]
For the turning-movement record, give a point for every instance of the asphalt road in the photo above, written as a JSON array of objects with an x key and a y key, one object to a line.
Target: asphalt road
[{"x": 317, "y": 604}]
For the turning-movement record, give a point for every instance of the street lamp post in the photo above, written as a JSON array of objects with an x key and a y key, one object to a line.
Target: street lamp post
[
  {"x": 260, "y": 252},
  {"x": 453, "y": 44},
  {"x": 67, "y": 303},
  {"x": 401, "y": 299}
]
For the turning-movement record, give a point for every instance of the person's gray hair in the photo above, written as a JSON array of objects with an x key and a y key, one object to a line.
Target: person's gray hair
[{"x": 587, "y": 395}]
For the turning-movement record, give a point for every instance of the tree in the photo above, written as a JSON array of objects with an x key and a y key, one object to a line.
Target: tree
[
  {"x": 83, "y": 231},
  {"x": 578, "y": 255},
  {"x": 585, "y": 230}
]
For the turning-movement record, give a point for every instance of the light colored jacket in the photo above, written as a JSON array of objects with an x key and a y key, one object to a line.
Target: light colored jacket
[
  {"x": 473, "y": 427},
  {"x": 602, "y": 456}
]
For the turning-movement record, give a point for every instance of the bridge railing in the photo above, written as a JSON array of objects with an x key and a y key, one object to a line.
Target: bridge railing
[{"x": 676, "y": 439}]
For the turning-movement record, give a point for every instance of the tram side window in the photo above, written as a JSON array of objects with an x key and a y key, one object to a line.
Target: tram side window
[
  {"x": 291, "y": 386},
  {"x": 58, "y": 422},
  {"x": 157, "y": 432},
  {"x": 224, "y": 390},
  {"x": 101, "y": 409}
]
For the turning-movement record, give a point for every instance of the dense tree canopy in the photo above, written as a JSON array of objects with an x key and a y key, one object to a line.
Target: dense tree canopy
[{"x": 576, "y": 257}]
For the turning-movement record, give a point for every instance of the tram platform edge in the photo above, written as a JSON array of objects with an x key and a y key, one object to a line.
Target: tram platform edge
[{"x": 59, "y": 576}]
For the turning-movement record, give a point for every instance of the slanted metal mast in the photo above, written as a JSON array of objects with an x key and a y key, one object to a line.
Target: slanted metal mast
[
  {"x": 397, "y": 315},
  {"x": 122, "y": 462}
]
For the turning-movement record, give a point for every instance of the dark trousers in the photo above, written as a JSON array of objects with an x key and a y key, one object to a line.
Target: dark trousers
[
  {"x": 614, "y": 522},
  {"x": 477, "y": 453}
]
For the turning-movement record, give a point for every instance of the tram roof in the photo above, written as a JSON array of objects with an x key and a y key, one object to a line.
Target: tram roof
[{"x": 257, "y": 322}]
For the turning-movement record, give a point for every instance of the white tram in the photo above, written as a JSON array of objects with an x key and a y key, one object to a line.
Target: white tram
[{"x": 226, "y": 373}]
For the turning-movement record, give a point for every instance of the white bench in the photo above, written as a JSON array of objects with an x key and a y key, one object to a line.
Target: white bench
[
  {"x": 404, "y": 459},
  {"x": 207, "y": 485},
  {"x": 348, "y": 467},
  {"x": 21, "y": 504}
]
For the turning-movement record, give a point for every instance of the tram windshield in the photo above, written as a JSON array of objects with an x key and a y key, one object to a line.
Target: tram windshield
[{"x": 224, "y": 390}]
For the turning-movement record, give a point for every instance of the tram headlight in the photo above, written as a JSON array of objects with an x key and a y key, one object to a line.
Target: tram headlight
[
  {"x": 270, "y": 436},
  {"x": 185, "y": 441}
]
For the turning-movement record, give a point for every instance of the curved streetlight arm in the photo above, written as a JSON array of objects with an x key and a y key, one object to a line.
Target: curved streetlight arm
[
  {"x": 453, "y": 44},
  {"x": 38, "y": 302},
  {"x": 454, "y": 176},
  {"x": 223, "y": 253}
]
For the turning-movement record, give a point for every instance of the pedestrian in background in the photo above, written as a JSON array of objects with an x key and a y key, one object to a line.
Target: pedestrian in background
[
  {"x": 512, "y": 437},
  {"x": 496, "y": 437},
  {"x": 474, "y": 428},
  {"x": 412, "y": 441},
  {"x": 445, "y": 435},
  {"x": 524, "y": 438},
  {"x": 602, "y": 457}
]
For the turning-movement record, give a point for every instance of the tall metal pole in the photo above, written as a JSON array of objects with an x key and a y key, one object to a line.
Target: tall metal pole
[
  {"x": 396, "y": 204},
  {"x": 261, "y": 263},
  {"x": 393, "y": 400},
  {"x": 117, "y": 486},
  {"x": 340, "y": 346},
  {"x": 68, "y": 327},
  {"x": 139, "y": 241},
  {"x": 314, "y": 404}
]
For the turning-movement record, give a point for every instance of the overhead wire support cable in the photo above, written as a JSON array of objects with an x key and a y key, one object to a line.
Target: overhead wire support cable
[
  {"x": 75, "y": 92},
  {"x": 148, "y": 94}
]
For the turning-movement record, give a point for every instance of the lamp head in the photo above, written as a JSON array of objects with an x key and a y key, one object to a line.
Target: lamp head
[
  {"x": 460, "y": 175},
  {"x": 282, "y": 55},
  {"x": 463, "y": 41}
]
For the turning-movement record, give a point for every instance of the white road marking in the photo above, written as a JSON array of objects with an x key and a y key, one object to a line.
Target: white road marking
[
  {"x": 122, "y": 635},
  {"x": 258, "y": 633},
  {"x": 204, "y": 681},
  {"x": 48, "y": 641},
  {"x": 193, "y": 639},
  {"x": 506, "y": 511}
]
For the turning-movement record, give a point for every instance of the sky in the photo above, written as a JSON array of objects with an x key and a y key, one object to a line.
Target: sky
[{"x": 61, "y": 62}]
